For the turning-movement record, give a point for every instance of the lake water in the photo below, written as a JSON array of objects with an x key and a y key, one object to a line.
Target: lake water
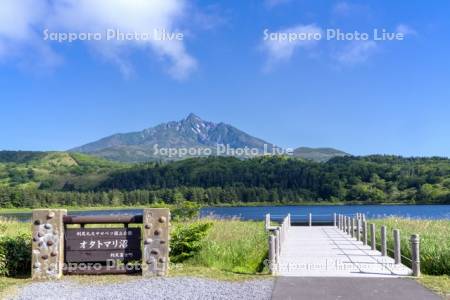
[{"x": 298, "y": 212}]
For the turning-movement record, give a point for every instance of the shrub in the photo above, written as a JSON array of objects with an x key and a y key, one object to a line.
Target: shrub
[
  {"x": 15, "y": 255},
  {"x": 186, "y": 210},
  {"x": 186, "y": 240}
]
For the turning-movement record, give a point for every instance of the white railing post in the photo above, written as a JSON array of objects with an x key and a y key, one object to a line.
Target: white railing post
[
  {"x": 383, "y": 241},
  {"x": 415, "y": 254},
  {"x": 397, "y": 247},
  {"x": 334, "y": 220},
  {"x": 364, "y": 229},
  {"x": 373, "y": 237},
  {"x": 277, "y": 243},
  {"x": 272, "y": 254},
  {"x": 358, "y": 230},
  {"x": 352, "y": 227},
  {"x": 310, "y": 219},
  {"x": 348, "y": 225},
  {"x": 267, "y": 224}
]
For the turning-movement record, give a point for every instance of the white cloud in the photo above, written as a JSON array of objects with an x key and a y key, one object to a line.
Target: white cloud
[
  {"x": 356, "y": 52},
  {"x": 17, "y": 18},
  {"x": 22, "y": 22},
  {"x": 281, "y": 50},
  {"x": 405, "y": 29},
  {"x": 19, "y": 39}
]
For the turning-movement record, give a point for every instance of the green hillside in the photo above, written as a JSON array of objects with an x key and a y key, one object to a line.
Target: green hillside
[
  {"x": 38, "y": 179},
  {"x": 53, "y": 170},
  {"x": 318, "y": 154}
]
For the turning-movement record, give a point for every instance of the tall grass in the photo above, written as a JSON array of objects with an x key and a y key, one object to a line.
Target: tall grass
[
  {"x": 234, "y": 246},
  {"x": 434, "y": 242}
]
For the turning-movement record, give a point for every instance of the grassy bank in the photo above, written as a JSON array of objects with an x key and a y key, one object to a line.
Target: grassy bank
[
  {"x": 233, "y": 246},
  {"x": 438, "y": 284},
  {"x": 434, "y": 246}
]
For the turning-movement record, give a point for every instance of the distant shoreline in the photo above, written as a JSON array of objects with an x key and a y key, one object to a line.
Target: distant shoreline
[{"x": 249, "y": 204}]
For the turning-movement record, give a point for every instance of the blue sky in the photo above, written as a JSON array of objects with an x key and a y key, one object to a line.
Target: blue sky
[{"x": 364, "y": 97}]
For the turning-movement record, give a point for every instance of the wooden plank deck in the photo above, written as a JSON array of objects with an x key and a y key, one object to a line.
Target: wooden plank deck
[{"x": 328, "y": 252}]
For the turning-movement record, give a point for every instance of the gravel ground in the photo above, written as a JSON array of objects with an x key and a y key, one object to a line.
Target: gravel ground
[{"x": 155, "y": 288}]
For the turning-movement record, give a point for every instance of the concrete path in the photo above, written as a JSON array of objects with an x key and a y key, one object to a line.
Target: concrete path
[
  {"x": 328, "y": 288},
  {"x": 326, "y": 251}
]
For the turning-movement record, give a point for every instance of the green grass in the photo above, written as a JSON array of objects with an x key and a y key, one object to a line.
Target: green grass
[
  {"x": 434, "y": 242},
  {"x": 212, "y": 273},
  {"x": 438, "y": 284},
  {"x": 233, "y": 246},
  {"x": 10, "y": 227}
]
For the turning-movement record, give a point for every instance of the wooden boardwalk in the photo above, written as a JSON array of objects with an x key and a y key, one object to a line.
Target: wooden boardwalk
[{"x": 312, "y": 251}]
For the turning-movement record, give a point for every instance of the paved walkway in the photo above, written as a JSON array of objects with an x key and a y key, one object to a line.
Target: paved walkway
[
  {"x": 326, "y": 251},
  {"x": 329, "y": 288}
]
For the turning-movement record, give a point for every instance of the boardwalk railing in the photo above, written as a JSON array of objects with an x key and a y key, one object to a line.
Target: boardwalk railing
[
  {"x": 305, "y": 219},
  {"x": 277, "y": 236},
  {"x": 354, "y": 225},
  {"x": 358, "y": 228}
]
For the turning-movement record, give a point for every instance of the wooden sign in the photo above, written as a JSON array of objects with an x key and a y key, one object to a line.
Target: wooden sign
[
  {"x": 58, "y": 250},
  {"x": 102, "y": 244}
]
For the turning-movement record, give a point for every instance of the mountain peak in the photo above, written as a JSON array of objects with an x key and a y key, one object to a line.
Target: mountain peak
[
  {"x": 193, "y": 117},
  {"x": 191, "y": 132}
]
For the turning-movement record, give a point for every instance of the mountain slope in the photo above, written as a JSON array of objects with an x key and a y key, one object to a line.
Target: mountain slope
[
  {"x": 191, "y": 132},
  {"x": 318, "y": 154},
  {"x": 53, "y": 170}
]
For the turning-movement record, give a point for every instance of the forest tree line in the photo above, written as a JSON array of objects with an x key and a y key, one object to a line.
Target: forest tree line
[{"x": 216, "y": 180}]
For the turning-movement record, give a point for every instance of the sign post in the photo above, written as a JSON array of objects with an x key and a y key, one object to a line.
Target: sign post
[
  {"x": 47, "y": 258},
  {"x": 156, "y": 242}
]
